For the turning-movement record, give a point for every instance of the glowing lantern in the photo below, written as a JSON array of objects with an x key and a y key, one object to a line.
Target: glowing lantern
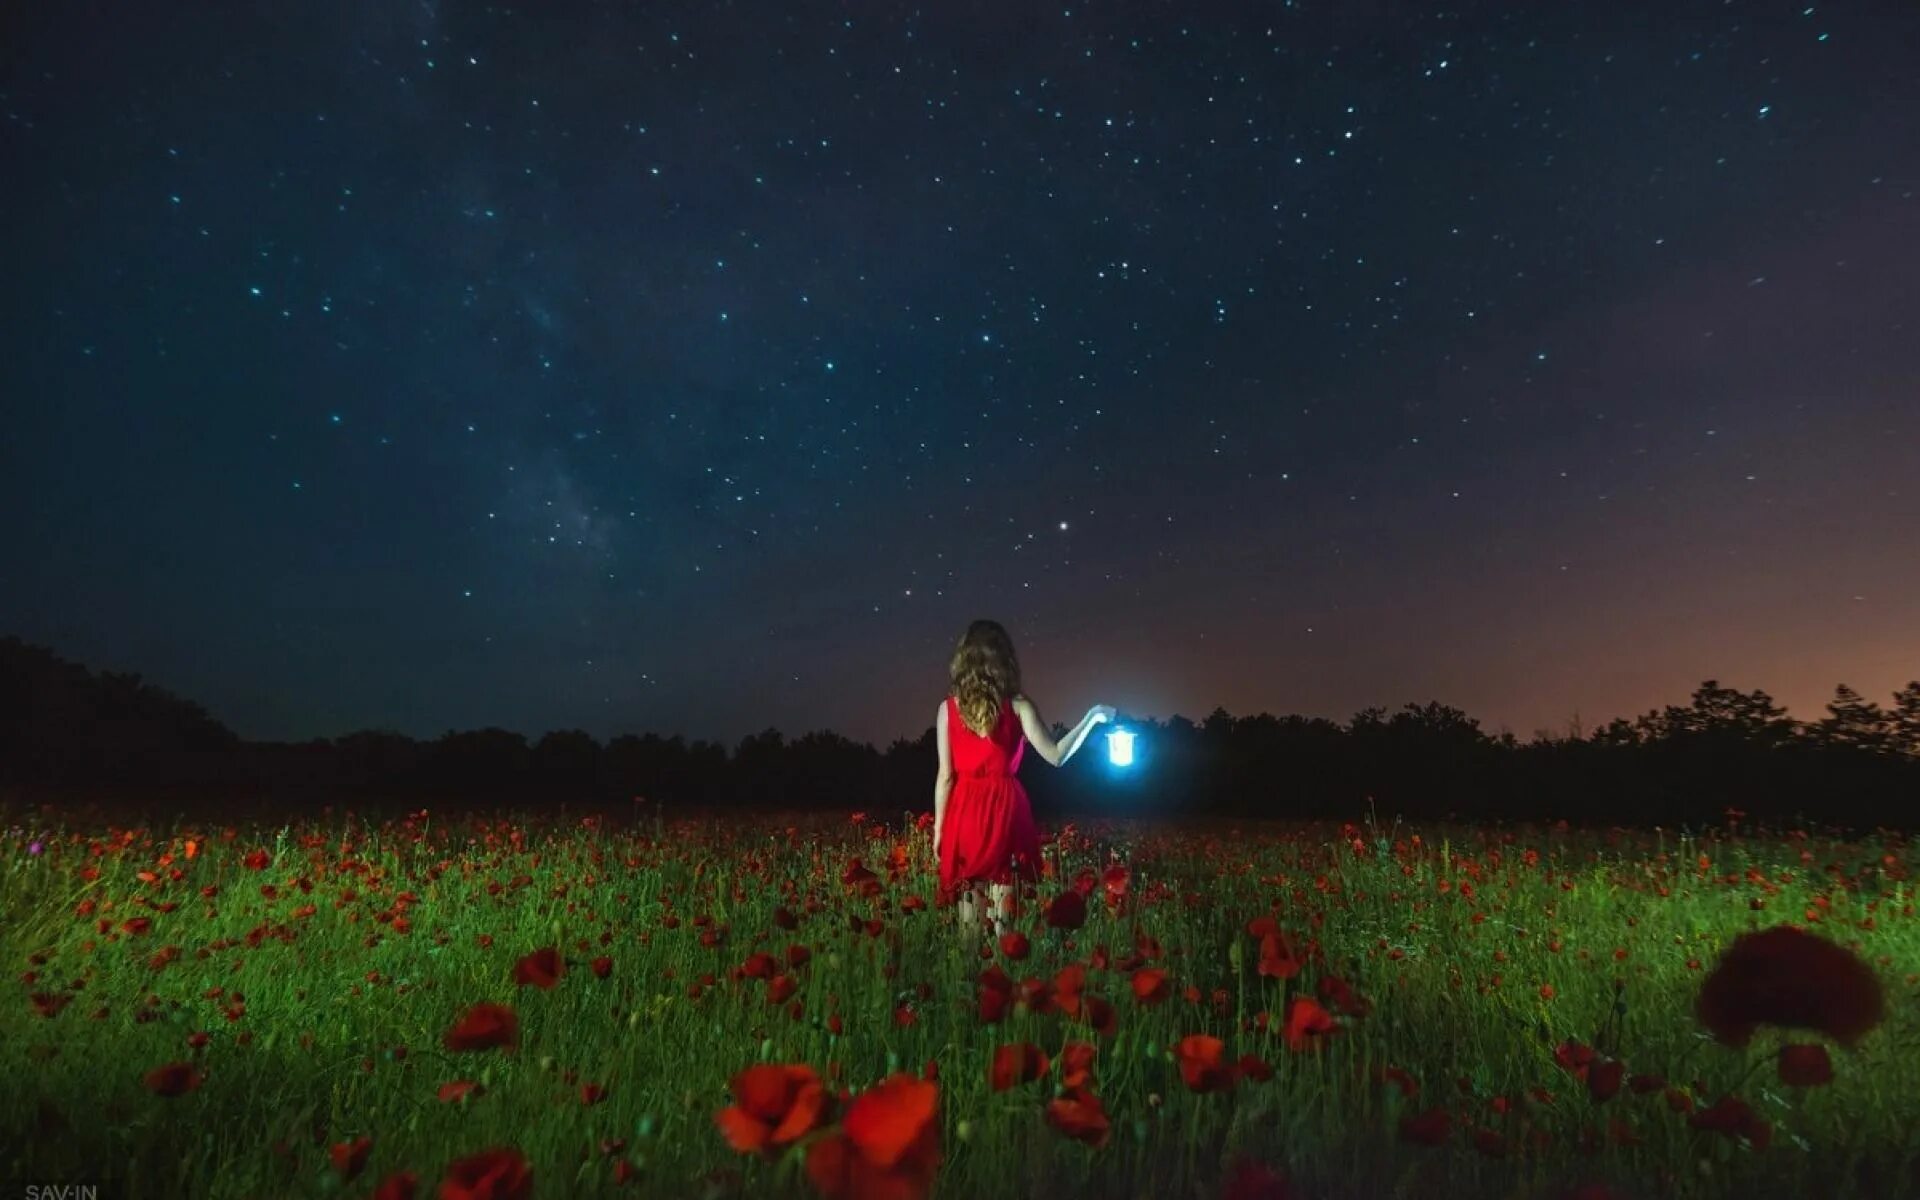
[{"x": 1120, "y": 747}]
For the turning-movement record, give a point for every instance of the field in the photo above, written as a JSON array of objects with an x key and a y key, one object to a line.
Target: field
[{"x": 1314, "y": 1011}]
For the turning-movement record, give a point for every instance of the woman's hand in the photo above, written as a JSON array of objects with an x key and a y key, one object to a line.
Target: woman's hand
[{"x": 1100, "y": 714}]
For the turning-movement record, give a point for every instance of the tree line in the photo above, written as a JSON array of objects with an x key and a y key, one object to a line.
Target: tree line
[{"x": 68, "y": 733}]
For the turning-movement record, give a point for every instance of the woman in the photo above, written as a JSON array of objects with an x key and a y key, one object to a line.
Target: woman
[{"x": 983, "y": 831}]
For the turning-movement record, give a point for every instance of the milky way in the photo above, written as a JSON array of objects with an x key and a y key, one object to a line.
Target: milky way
[{"x": 703, "y": 368}]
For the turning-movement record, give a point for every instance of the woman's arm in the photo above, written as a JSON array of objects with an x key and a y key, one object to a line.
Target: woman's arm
[
  {"x": 943, "y": 778},
  {"x": 1056, "y": 753}
]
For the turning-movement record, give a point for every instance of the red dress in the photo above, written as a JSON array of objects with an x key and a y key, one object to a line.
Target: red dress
[{"x": 988, "y": 835}]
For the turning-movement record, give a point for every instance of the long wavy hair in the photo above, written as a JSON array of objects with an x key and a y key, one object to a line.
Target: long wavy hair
[{"x": 984, "y": 673}]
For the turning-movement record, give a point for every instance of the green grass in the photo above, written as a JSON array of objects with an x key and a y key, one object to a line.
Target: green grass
[{"x": 344, "y": 1014}]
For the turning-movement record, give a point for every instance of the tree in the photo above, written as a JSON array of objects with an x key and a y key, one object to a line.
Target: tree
[
  {"x": 1728, "y": 712},
  {"x": 567, "y": 759},
  {"x": 1854, "y": 723},
  {"x": 1617, "y": 732},
  {"x": 1904, "y": 721}
]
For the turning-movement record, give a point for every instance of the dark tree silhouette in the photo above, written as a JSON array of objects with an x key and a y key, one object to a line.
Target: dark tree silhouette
[
  {"x": 68, "y": 735},
  {"x": 1904, "y": 721},
  {"x": 1854, "y": 722}
]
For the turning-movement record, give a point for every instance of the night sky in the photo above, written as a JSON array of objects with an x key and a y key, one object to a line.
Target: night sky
[{"x": 702, "y": 367}]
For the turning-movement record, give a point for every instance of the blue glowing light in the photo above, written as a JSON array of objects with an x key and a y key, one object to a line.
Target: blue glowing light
[{"x": 1120, "y": 747}]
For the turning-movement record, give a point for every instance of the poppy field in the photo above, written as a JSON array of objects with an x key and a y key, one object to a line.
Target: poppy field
[{"x": 474, "y": 1007}]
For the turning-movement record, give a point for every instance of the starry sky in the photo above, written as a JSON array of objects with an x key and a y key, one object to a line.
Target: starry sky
[{"x": 703, "y": 367}]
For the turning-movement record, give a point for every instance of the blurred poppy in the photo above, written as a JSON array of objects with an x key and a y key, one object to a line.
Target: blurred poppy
[
  {"x": 1253, "y": 1180},
  {"x": 1076, "y": 1064},
  {"x": 774, "y": 1105},
  {"x": 173, "y": 1079},
  {"x": 1604, "y": 1078},
  {"x": 887, "y": 1146},
  {"x": 1733, "y": 1117},
  {"x": 1068, "y": 910},
  {"x": 1020, "y": 1062},
  {"x": 1079, "y": 1115},
  {"x": 1805, "y": 1066},
  {"x": 485, "y": 1026},
  {"x": 1277, "y": 959},
  {"x": 541, "y": 969},
  {"x": 1150, "y": 985},
  {"x": 1200, "y": 1067},
  {"x": 1787, "y": 977},
  {"x": 400, "y": 1185},
  {"x": 350, "y": 1158},
  {"x": 1307, "y": 1023},
  {"x": 1339, "y": 994},
  {"x": 996, "y": 994},
  {"x": 1429, "y": 1128},
  {"x": 501, "y": 1173}
]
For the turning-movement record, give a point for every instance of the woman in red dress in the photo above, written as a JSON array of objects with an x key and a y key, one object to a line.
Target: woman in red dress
[{"x": 983, "y": 832}]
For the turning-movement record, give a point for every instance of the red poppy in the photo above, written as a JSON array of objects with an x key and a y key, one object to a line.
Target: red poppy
[
  {"x": 484, "y": 1027},
  {"x": 1308, "y": 1023},
  {"x": 457, "y": 1090},
  {"x": 1574, "y": 1057},
  {"x": 1078, "y": 1114},
  {"x": 1429, "y": 1128},
  {"x": 1733, "y": 1117},
  {"x": 398, "y": 1186},
  {"x": 1604, "y": 1078},
  {"x": 1805, "y": 1066},
  {"x": 350, "y": 1158},
  {"x": 501, "y": 1173},
  {"x": 1277, "y": 959},
  {"x": 1200, "y": 1065},
  {"x": 541, "y": 969},
  {"x": 773, "y": 1106},
  {"x": 1014, "y": 945},
  {"x": 758, "y": 966},
  {"x": 1068, "y": 910},
  {"x": 1398, "y": 1077},
  {"x": 1076, "y": 1064},
  {"x": 1252, "y": 1180},
  {"x": 1339, "y": 994},
  {"x": 888, "y": 1145},
  {"x": 1150, "y": 985},
  {"x": 602, "y": 967},
  {"x": 1787, "y": 977},
  {"x": 173, "y": 1079},
  {"x": 1254, "y": 1067},
  {"x": 1017, "y": 1063},
  {"x": 996, "y": 994},
  {"x": 257, "y": 860},
  {"x": 1065, "y": 992},
  {"x": 1103, "y": 1017}
]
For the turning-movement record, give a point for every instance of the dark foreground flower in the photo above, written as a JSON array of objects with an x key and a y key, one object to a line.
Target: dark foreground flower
[
  {"x": 1787, "y": 977},
  {"x": 485, "y": 1026},
  {"x": 498, "y": 1174},
  {"x": 1805, "y": 1066}
]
